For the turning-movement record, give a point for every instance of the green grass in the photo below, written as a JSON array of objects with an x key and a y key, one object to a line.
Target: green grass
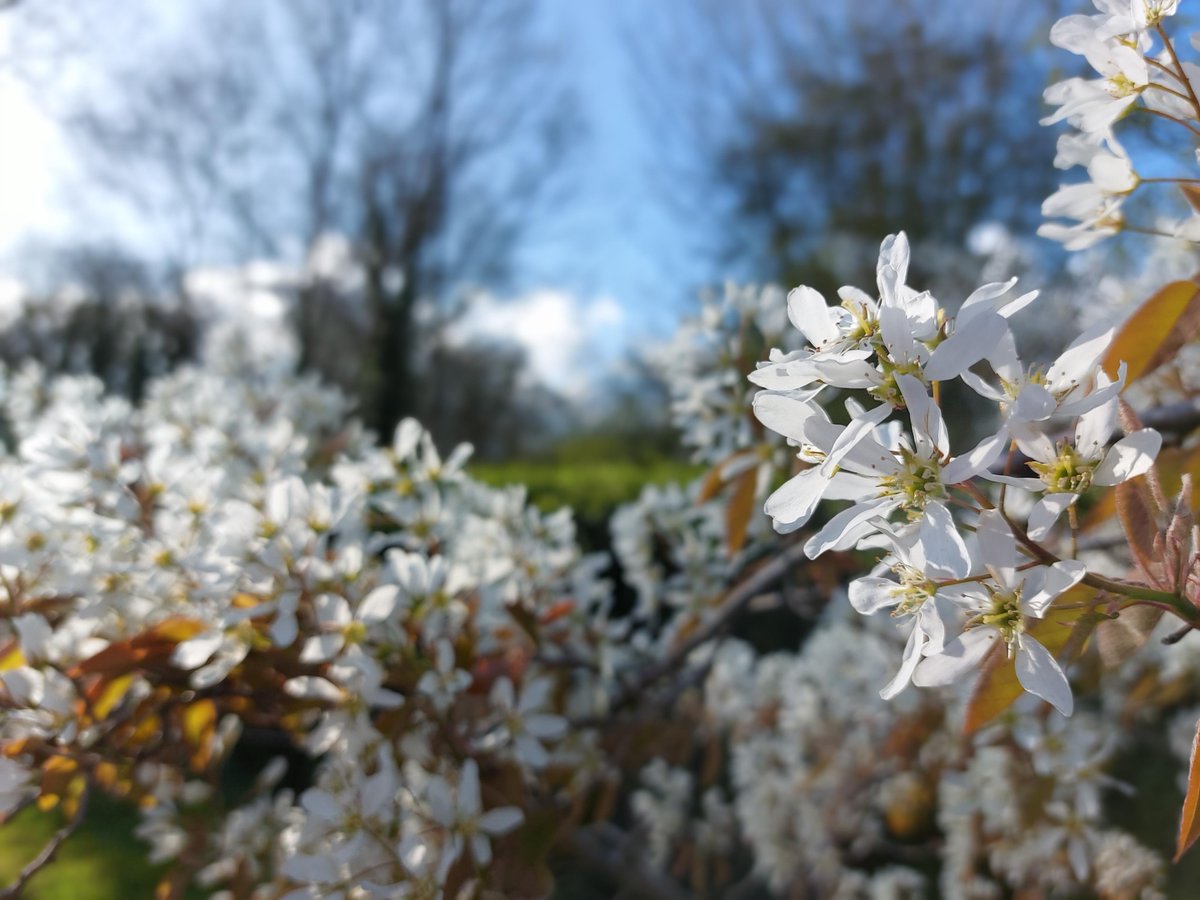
[
  {"x": 101, "y": 861},
  {"x": 592, "y": 488}
]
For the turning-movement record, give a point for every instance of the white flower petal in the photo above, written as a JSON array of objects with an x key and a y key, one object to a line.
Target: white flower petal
[
  {"x": 997, "y": 546},
  {"x": 501, "y": 820},
  {"x": 1094, "y": 428},
  {"x": 1039, "y": 673},
  {"x": 958, "y": 659},
  {"x": 871, "y": 593},
  {"x": 1060, "y": 577},
  {"x": 1046, "y": 512},
  {"x": 310, "y": 687},
  {"x": 1129, "y": 457},
  {"x": 793, "y": 503},
  {"x": 912, "y": 656},
  {"x": 844, "y": 529},
  {"x": 929, "y": 428},
  {"x": 972, "y": 341},
  {"x": 941, "y": 543},
  {"x": 195, "y": 652},
  {"x": 977, "y": 460},
  {"x": 783, "y": 414},
  {"x": 468, "y": 789},
  {"x": 809, "y": 312},
  {"x": 380, "y": 604}
]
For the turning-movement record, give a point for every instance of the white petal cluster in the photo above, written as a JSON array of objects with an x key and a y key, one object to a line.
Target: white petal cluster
[
  {"x": 1137, "y": 68},
  {"x": 895, "y": 464},
  {"x": 377, "y": 602}
]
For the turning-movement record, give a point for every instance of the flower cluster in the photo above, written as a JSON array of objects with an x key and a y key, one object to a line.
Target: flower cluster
[
  {"x": 1137, "y": 68},
  {"x": 894, "y": 462},
  {"x": 230, "y": 556}
]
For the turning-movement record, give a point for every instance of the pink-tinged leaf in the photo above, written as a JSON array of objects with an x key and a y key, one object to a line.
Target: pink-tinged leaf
[
  {"x": 1135, "y": 510},
  {"x": 1131, "y": 422},
  {"x": 1120, "y": 638},
  {"x": 1178, "y": 536}
]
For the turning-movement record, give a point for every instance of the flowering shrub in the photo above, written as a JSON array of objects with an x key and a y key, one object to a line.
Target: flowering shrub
[{"x": 235, "y": 558}]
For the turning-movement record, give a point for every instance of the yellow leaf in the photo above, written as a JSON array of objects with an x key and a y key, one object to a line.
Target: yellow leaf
[
  {"x": 199, "y": 725},
  {"x": 58, "y": 772},
  {"x": 1156, "y": 331},
  {"x": 11, "y": 657},
  {"x": 110, "y": 694},
  {"x": 177, "y": 629},
  {"x": 1063, "y": 632},
  {"x": 73, "y": 795},
  {"x": 47, "y": 802},
  {"x": 106, "y": 774},
  {"x": 1189, "y": 821},
  {"x": 59, "y": 765},
  {"x": 147, "y": 728}
]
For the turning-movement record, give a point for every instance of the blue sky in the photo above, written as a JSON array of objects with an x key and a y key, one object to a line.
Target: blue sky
[{"x": 614, "y": 241}]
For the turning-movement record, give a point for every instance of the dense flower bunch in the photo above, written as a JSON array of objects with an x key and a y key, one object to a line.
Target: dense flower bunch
[{"x": 229, "y": 556}]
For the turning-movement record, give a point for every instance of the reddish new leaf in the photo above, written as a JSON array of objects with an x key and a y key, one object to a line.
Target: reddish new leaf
[{"x": 1137, "y": 519}]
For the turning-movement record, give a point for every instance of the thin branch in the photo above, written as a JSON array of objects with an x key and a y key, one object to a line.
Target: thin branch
[
  {"x": 1183, "y": 76},
  {"x": 49, "y": 851},
  {"x": 1170, "y": 118},
  {"x": 735, "y": 601}
]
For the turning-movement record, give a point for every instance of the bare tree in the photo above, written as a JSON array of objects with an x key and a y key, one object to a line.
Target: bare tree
[
  {"x": 424, "y": 132},
  {"x": 785, "y": 123}
]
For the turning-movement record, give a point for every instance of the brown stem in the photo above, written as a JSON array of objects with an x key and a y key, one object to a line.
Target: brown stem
[
  {"x": 1183, "y": 78},
  {"x": 1170, "y": 118}
]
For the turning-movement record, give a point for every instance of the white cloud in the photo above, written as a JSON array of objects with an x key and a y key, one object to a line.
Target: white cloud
[
  {"x": 251, "y": 299},
  {"x": 30, "y": 147},
  {"x": 570, "y": 342}
]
